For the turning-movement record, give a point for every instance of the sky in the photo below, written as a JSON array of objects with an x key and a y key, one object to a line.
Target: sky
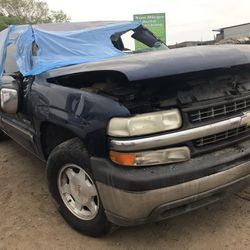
[{"x": 186, "y": 20}]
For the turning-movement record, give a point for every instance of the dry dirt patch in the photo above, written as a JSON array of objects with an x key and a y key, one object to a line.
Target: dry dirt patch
[{"x": 29, "y": 219}]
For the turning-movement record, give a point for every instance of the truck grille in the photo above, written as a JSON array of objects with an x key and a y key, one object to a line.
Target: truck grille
[
  {"x": 216, "y": 111},
  {"x": 224, "y": 136}
]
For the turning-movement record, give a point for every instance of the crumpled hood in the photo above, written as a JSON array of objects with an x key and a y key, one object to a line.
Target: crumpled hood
[{"x": 166, "y": 62}]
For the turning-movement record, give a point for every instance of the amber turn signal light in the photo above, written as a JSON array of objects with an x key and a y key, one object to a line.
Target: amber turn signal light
[{"x": 125, "y": 159}]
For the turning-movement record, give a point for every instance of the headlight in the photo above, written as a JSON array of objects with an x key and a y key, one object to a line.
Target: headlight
[{"x": 144, "y": 124}]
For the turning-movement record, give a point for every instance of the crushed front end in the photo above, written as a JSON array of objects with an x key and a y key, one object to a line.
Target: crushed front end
[{"x": 185, "y": 145}]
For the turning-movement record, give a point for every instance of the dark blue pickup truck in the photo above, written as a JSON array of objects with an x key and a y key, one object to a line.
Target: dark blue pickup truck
[{"x": 129, "y": 136}]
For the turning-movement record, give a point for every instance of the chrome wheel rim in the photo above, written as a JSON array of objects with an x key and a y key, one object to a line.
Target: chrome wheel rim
[{"x": 78, "y": 192}]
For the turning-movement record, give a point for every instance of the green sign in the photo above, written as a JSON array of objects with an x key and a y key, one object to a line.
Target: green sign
[{"x": 155, "y": 22}]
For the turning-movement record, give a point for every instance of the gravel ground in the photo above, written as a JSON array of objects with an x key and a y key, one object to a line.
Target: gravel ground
[{"x": 29, "y": 219}]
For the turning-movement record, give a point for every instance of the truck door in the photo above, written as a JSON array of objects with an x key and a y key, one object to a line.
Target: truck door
[{"x": 14, "y": 118}]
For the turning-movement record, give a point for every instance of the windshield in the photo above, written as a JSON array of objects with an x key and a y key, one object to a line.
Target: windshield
[{"x": 137, "y": 41}]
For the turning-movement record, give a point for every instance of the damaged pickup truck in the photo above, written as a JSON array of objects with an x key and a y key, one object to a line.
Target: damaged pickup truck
[{"x": 129, "y": 137}]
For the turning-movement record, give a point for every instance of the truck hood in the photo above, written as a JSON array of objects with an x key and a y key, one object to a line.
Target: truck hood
[{"x": 165, "y": 62}]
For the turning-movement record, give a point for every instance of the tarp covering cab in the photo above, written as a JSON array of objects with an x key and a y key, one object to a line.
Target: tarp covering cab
[{"x": 44, "y": 47}]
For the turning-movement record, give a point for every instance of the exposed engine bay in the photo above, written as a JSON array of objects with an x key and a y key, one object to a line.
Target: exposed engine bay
[{"x": 160, "y": 93}]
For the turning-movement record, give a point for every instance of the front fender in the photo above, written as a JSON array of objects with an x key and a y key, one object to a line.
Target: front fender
[{"x": 84, "y": 114}]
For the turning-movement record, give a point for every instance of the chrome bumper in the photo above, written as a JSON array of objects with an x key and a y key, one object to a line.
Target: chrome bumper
[
  {"x": 136, "y": 206},
  {"x": 164, "y": 140}
]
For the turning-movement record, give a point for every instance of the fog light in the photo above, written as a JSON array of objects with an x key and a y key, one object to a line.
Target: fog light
[{"x": 150, "y": 158}]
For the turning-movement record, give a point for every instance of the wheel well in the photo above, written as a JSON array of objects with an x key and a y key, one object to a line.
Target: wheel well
[{"x": 52, "y": 135}]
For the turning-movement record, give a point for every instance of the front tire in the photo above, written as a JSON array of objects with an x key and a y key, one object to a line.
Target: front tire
[{"x": 73, "y": 188}]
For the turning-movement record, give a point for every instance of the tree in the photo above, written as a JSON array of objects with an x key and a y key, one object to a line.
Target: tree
[
  {"x": 5, "y": 21},
  {"x": 28, "y": 11}
]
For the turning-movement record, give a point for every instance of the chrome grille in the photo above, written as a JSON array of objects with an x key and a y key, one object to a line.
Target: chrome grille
[
  {"x": 219, "y": 110},
  {"x": 230, "y": 134}
]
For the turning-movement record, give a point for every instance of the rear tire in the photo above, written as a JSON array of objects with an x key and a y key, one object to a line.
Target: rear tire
[{"x": 73, "y": 188}]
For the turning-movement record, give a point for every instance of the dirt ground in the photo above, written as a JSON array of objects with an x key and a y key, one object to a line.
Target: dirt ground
[{"x": 29, "y": 219}]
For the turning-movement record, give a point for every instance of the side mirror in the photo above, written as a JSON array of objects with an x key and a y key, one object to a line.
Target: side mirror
[
  {"x": 9, "y": 95},
  {"x": 9, "y": 100}
]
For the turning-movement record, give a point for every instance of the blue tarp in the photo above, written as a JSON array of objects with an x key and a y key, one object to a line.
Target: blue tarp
[{"x": 58, "y": 49}]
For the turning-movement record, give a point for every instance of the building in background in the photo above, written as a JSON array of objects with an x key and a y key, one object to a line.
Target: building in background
[
  {"x": 237, "y": 34},
  {"x": 190, "y": 43},
  {"x": 240, "y": 33}
]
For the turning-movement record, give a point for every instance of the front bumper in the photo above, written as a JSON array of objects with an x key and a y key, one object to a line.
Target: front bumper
[
  {"x": 131, "y": 208},
  {"x": 136, "y": 196}
]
